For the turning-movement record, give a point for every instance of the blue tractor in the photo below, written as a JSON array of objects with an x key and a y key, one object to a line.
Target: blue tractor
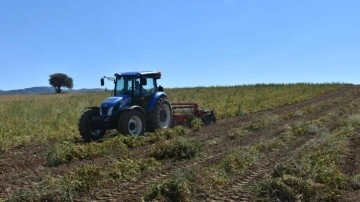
[{"x": 137, "y": 104}]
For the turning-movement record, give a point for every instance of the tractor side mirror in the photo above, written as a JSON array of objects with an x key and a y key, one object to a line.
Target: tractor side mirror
[
  {"x": 160, "y": 88},
  {"x": 102, "y": 82},
  {"x": 143, "y": 81}
]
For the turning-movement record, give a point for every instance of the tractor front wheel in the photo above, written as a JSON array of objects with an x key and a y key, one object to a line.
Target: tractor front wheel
[
  {"x": 131, "y": 122},
  {"x": 87, "y": 131}
]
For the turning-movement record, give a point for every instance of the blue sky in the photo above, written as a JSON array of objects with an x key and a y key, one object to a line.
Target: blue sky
[{"x": 192, "y": 42}]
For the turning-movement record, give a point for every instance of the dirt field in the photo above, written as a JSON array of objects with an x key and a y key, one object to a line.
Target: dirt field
[{"x": 25, "y": 167}]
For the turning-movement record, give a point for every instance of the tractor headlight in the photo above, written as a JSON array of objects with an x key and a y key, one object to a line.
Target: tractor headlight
[{"x": 110, "y": 111}]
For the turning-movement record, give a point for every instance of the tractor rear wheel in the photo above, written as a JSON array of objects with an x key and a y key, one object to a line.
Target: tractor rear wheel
[
  {"x": 131, "y": 122},
  {"x": 161, "y": 116},
  {"x": 86, "y": 130}
]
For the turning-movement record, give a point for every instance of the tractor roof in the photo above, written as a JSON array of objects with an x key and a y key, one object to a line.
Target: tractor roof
[{"x": 142, "y": 73}]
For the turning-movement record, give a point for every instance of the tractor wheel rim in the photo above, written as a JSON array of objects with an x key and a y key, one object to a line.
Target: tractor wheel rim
[
  {"x": 164, "y": 116},
  {"x": 135, "y": 125},
  {"x": 94, "y": 132}
]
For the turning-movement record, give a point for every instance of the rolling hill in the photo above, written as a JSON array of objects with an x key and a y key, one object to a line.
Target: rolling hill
[{"x": 44, "y": 90}]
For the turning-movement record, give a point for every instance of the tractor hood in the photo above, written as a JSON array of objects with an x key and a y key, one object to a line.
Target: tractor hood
[{"x": 113, "y": 104}]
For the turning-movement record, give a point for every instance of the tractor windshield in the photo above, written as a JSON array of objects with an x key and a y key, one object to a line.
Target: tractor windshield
[
  {"x": 123, "y": 86},
  {"x": 130, "y": 85}
]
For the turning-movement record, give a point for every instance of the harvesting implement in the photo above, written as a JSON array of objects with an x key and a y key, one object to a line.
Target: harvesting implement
[
  {"x": 136, "y": 105},
  {"x": 184, "y": 113}
]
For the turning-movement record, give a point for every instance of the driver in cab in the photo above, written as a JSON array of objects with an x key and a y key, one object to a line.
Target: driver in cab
[{"x": 138, "y": 88}]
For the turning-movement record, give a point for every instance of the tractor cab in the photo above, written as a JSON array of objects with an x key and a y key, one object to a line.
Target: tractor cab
[{"x": 138, "y": 87}]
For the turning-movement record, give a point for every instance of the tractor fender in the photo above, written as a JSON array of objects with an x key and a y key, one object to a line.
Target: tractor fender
[
  {"x": 135, "y": 107},
  {"x": 154, "y": 99}
]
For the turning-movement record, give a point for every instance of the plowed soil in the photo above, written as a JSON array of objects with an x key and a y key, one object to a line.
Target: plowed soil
[{"x": 25, "y": 167}]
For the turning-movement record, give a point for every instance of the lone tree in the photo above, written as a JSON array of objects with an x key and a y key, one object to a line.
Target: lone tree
[{"x": 59, "y": 80}]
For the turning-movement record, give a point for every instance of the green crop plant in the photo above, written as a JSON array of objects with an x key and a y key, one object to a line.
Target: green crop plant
[
  {"x": 178, "y": 149},
  {"x": 196, "y": 124},
  {"x": 160, "y": 135},
  {"x": 354, "y": 120},
  {"x": 51, "y": 189},
  {"x": 240, "y": 159},
  {"x": 127, "y": 168},
  {"x": 289, "y": 115},
  {"x": 241, "y": 111},
  {"x": 177, "y": 189},
  {"x": 180, "y": 130},
  {"x": 355, "y": 182},
  {"x": 238, "y": 133},
  {"x": 305, "y": 128},
  {"x": 86, "y": 177},
  {"x": 89, "y": 176},
  {"x": 167, "y": 134},
  {"x": 24, "y": 195},
  {"x": 269, "y": 145},
  {"x": 65, "y": 152},
  {"x": 264, "y": 122},
  {"x": 133, "y": 141},
  {"x": 286, "y": 188},
  {"x": 55, "y": 189},
  {"x": 59, "y": 154}
]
